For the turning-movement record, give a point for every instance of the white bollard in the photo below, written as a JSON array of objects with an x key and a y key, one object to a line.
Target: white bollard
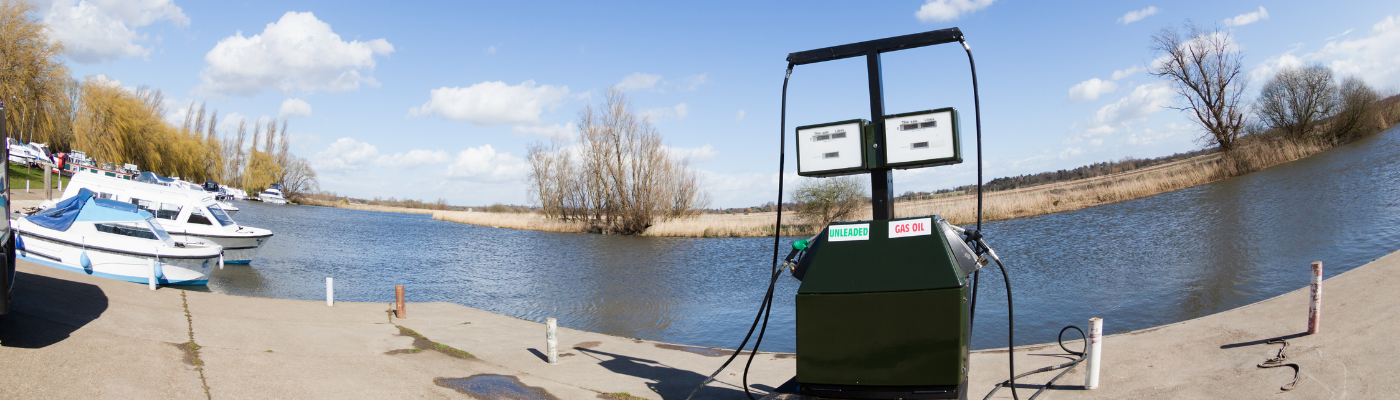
[
  {"x": 151, "y": 280},
  {"x": 551, "y": 339},
  {"x": 1091, "y": 373},
  {"x": 1315, "y": 307},
  {"x": 26, "y": 186},
  {"x": 330, "y": 293},
  {"x": 60, "y": 186}
]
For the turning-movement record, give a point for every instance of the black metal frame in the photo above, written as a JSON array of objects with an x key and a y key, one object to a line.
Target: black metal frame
[{"x": 881, "y": 178}]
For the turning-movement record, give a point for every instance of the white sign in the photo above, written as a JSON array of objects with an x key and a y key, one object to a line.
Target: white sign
[
  {"x": 829, "y": 148},
  {"x": 911, "y": 227},
  {"x": 846, "y": 233},
  {"x": 919, "y": 137}
]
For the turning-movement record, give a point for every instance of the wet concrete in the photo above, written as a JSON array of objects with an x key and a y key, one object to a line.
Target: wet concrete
[{"x": 494, "y": 387}]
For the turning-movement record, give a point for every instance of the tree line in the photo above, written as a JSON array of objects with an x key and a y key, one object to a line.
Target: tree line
[{"x": 114, "y": 125}]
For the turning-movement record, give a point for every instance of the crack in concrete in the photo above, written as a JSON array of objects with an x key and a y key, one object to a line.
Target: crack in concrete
[{"x": 192, "y": 348}]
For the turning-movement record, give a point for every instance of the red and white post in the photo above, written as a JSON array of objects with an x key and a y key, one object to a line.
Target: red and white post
[
  {"x": 1091, "y": 373},
  {"x": 1315, "y": 306}
]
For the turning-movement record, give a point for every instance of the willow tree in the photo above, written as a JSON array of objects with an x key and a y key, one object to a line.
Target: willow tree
[{"x": 35, "y": 85}]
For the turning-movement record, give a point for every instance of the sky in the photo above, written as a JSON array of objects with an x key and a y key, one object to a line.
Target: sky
[{"x": 439, "y": 100}]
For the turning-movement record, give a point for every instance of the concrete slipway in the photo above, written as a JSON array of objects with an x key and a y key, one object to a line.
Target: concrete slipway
[{"x": 74, "y": 336}]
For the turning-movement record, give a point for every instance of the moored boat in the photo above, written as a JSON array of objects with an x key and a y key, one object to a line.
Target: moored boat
[
  {"x": 113, "y": 240},
  {"x": 272, "y": 195}
]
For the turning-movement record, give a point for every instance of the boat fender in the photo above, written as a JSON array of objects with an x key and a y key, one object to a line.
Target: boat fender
[
  {"x": 85, "y": 262},
  {"x": 19, "y": 242},
  {"x": 221, "y": 260},
  {"x": 160, "y": 272}
]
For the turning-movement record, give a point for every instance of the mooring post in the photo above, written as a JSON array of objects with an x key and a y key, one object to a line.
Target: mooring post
[
  {"x": 1315, "y": 306},
  {"x": 151, "y": 279},
  {"x": 1091, "y": 373},
  {"x": 48, "y": 185},
  {"x": 398, "y": 302},
  {"x": 330, "y": 292},
  {"x": 26, "y": 186},
  {"x": 551, "y": 340}
]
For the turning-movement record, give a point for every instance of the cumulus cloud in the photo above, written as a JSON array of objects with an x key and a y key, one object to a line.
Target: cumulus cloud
[
  {"x": 297, "y": 53},
  {"x": 1071, "y": 152},
  {"x": 493, "y": 103},
  {"x": 1137, "y": 15},
  {"x": 694, "y": 155},
  {"x": 948, "y": 10},
  {"x": 639, "y": 81},
  {"x": 1091, "y": 89},
  {"x": 1248, "y": 18},
  {"x": 682, "y": 110},
  {"x": 1374, "y": 58},
  {"x": 97, "y": 31},
  {"x": 294, "y": 108},
  {"x": 484, "y": 164},
  {"x": 344, "y": 155},
  {"x": 657, "y": 115},
  {"x": 1143, "y": 101},
  {"x": 553, "y": 131},
  {"x": 1124, "y": 73},
  {"x": 413, "y": 159},
  {"x": 694, "y": 81},
  {"x": 739, "y": 116}
]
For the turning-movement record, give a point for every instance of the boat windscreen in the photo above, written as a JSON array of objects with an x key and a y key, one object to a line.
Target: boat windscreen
[
  {"x": 219, "y": 215},
  {"x": 160, "y": 232}
]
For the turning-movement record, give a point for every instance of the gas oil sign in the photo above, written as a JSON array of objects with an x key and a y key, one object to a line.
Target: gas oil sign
[{"x": 911, "y": 227}]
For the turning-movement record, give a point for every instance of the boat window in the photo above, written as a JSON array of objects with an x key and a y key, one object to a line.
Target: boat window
[
  {"x": 197, "y": 217},
  {"x": 149, "y": 206},
  {"x": 126, "y": 229},
  {"x": 103, "y": 195},
  {"x": 168, "y": 211},
  {"x": 219, "y": 215},
  {"x": 160, "y": 232}
]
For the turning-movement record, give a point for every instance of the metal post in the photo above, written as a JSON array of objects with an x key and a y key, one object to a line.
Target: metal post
[
  {"x": 551, "y": 340},
  {"x": 881, "y": 179},
  {"x": 399, "y": 302},
  {"x": 48, "y": 184},
  {"x": 26, "y": 186},
  {"x": 1315, "y": 306},
  {"x": 151, "y": 278},
  {"x": 330, "y": 292},
  {"x": 1091, "y": 375}
]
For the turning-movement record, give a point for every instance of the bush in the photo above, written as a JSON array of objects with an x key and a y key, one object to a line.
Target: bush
[{"x": 822, "y": 201}]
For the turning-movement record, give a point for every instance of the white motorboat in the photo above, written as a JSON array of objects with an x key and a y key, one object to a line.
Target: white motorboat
[
  {"x": 189, "y": 216},
  {"x": 113, "y": 240},
  {"x": 238, "y": 194},
  {"x": 272, "y": 195},
  {"x": 28, "y": 154}
]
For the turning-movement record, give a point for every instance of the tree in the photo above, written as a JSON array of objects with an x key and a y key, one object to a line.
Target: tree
[
  {"x": 35, "y": 85},
  {"x": 1356, "y": 114},
  {"x": 618, "y": 176},
  {"x": 1296, "y": 100},
  {"x": 1205, "y": 70},
  {"x": 823, "y": 201}
]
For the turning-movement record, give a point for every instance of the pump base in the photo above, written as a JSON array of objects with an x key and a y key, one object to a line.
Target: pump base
[{"x": 884, "y": 392}]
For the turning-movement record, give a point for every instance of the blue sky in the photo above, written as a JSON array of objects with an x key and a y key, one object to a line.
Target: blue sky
[{"x": 440, "y": 100}]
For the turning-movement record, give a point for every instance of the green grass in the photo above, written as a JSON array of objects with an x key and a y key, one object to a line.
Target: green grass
[
  {"x": 35, "y": 176},
  {"x": 621, "y": 396}
]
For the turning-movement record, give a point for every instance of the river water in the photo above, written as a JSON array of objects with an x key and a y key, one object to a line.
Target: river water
[{"x": 1137, "y": 264}]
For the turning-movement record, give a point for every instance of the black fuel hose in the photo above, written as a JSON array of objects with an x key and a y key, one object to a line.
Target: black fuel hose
[
  {"x": 1069, "y": 366},
  {"x": 766, "y": 308}
]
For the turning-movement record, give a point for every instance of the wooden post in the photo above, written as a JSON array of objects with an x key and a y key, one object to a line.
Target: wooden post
[
  {"x": 398, "y": 302},
  {"x": 551, "y": 340},
  {"x": 1315, "y": 306},
  {"x": 48, "y": 184}
]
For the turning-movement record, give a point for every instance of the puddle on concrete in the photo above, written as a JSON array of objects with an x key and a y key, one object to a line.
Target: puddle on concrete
[
  {"x": 494, "y": 387},
  {"x": 704, "y": 351},
  {"x": 779, "y": 356},
  {"x": 190, "y": 358},
  {"x": 588, "y": 345}
]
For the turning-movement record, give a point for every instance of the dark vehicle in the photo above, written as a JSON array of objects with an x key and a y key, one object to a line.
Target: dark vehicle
[
  {"x": 7, "y": 237},
  {"x": 211, "y": 186}
]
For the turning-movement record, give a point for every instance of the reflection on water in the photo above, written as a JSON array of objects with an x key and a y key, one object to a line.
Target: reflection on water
[{"x": 1138, "y": 264}]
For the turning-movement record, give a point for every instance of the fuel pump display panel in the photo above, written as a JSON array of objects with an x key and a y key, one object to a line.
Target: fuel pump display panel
[
  {"x": 831, "y": 149},
  {"x": 922, "y": 139}
]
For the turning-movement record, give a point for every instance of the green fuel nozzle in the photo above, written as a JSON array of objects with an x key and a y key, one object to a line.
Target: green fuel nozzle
[{"x": 800, "y": 245}]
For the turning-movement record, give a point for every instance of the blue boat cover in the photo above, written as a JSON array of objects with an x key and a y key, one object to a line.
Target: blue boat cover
[{"x": 84, "y": 207}]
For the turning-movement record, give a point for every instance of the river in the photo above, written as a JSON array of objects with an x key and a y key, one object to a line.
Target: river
[{"x": 1138, "y": 264}]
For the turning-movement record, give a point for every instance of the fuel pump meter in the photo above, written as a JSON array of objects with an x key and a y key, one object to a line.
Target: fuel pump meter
[
  {"x": 831, "y": 149},
  {"x": 922, "y": 139}
]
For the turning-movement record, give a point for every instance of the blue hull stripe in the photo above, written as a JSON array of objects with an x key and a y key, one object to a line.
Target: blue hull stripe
[
  {"x": 243, "y": 262},
  {"x": 142, "y": 280}
]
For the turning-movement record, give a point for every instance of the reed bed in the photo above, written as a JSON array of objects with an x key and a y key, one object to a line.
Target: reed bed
[{"x": 1252, "y": 154}]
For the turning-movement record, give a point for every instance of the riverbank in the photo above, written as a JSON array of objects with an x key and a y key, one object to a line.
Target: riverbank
[{"x": 68, "y": 327}]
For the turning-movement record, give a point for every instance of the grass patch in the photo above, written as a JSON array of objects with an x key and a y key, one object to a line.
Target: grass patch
[
  {"x": 421, "y": 343},
  {"x": 619, "y": 396},
  {"x": 192, "y": 348},
  {"x": 19, "y": 174}
]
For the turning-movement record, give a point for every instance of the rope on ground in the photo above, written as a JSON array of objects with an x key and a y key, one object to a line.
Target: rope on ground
[{"x": 1279, "y": 362}]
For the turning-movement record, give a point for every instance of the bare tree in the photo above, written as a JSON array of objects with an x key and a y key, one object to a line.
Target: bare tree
[
  {"x": 1296, "y": 100},
  {"x": 1204, "y": 67},
  {"x": 1356, "y": 114},
  {"x": 823, "y": 201},
  {"x": 618, "y": 176}
]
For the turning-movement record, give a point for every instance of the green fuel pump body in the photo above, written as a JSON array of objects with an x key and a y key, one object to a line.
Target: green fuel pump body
[{"x": 883, "y": 312}]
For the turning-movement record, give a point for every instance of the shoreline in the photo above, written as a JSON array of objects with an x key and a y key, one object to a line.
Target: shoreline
[{"x": 70, "y": 327}]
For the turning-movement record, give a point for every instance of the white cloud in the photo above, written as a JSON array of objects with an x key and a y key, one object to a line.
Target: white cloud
[
  {"x": 739, "y": 117},
  {"x": 694, "y": 81},
  {"x": 657, "y": 115},
  {"x": 554, "y": 131},
  {"x": 1348, "y": 31},
  {"x": 493, "y": 103},
  {"x": 298, "y": 52},
  {"x": 1091, "y": 89},
  {"x": 948, "y": 10},
  {"x": 1273, "y": 65},
  {"x": 639, "y": 81},
  {"x": 104, "y": 30},
  {"x": 1137, "y": 15},
  {"x": 694, "y": 155},
  {"x": 1124, "y": 73},
  {"x": 294, "y": 108},
  {"x": 1375, "y": 58},
  {"x": 490, "y": 49},
  {"x": 484, "y": 164},
  {"x": 682, "y": 110},
  {"x": 1143, "y": 101},
  {"x": 344, "y": 155},
  {"x": 1071, "y": 152},
  {"x": 413, "y": 158},
  {"x": 1248, "y": 18}
]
